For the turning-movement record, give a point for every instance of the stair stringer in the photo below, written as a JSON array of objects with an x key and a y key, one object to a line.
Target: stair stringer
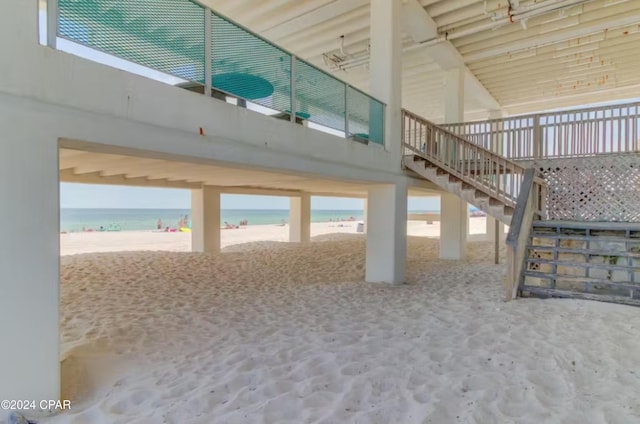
[{"x": 453, "y": 184}]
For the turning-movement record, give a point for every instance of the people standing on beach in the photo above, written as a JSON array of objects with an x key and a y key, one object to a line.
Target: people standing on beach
[
  {"x": 184, "y": 222},
  {"x": 159, "y": 224}
]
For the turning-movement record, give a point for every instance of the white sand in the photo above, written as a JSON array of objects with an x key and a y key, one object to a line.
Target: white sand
[
  {"x": 279, "y": 332},
  {"x": 74, "y": 243}
]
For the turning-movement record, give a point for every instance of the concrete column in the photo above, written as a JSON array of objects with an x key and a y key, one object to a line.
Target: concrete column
[
  {"x": 386, "y": 68},
  {"x": 453, "y": 227},
  {"x": 300, "y": 218},
  {"x": 454, "y": 220},
  {"x": 205, "y": 220},
  {"x": 29, "y": 259},
  {"x": 387, "y": 233},
  {"x": 364, "y": 216}
]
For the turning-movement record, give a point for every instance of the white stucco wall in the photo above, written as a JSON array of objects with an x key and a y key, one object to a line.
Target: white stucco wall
[{"x": 29, "y": 260}]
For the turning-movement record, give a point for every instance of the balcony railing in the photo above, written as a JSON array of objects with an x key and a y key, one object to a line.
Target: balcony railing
[
  {"x": 554, "y": 135},
  {"x": 210, "y": 54}
]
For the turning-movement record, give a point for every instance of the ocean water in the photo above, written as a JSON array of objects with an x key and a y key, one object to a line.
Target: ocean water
[{"x": 147, "y": 219}]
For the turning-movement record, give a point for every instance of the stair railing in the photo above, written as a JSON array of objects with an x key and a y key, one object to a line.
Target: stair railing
[
  {"x": 475, "y": 165},
  {"x": 527, "y": 210}
]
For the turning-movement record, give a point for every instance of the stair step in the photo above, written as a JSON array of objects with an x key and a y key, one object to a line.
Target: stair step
[
  {"x": 620, "y": 226},
  {"x": 537, "y": 234},
  {"x": 613, "y": 267},
  {"x": 591, "y": 252},
  {"x": 576, "y": 278},
  {"x": 547, "y": 293},
  {"x": 587, "y": 284},
  {"x": 495, "y": 202}
]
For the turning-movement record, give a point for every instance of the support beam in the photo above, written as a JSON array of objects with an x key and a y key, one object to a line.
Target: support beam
[
  {"x": 300, "y": 218},
  {"x": 453, "y": 227},
  {"x": 386, "y": 69},
  {"x": 424, "y": 30},
  {"x": 364, "y": 216},
  {"x": 29, "y": 260},
  {"x": 386, "y": 234},
  {"x": 205, "y": 220},
  {"x": 454, "y": 211}
]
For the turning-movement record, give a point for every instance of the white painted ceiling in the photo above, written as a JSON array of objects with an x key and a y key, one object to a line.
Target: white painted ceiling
[
  {"x": 530, "y": 55},
  {"x": 94, "y": 167}
]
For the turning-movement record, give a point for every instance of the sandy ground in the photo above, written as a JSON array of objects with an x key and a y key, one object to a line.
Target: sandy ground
[
  {"x": 276, "y": 332},
  {"x": 74, "y": 243}
]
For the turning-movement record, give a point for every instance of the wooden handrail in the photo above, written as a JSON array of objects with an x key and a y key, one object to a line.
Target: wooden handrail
[
  {"x": 477, "y": 166},
  {"x": 527, "y": 208}
]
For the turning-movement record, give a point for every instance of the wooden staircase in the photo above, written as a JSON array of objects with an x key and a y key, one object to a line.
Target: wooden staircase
[
  {"x": 545, "y": 258},
  {"x": 588, "y": 260},
  {"x": 452, "y": 184},
  {"x": 479, "y": 176}
]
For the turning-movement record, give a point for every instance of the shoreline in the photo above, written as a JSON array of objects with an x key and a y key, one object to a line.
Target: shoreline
[{"x": 153, "y": 240}]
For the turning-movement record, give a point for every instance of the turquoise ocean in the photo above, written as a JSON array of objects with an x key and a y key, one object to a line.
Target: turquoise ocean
[{"x": 72, "y": 220}]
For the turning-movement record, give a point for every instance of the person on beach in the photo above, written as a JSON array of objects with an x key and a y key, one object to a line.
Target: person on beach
[{"x": 159, "y": 224}]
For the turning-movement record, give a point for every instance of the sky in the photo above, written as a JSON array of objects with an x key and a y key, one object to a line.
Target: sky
[{"x": 110, "y": 196}]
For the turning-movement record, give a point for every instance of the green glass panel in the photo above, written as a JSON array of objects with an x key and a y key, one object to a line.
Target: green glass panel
[
  {"x": 321, "y": 96},
  {"x": 249, "y": 67},
  {"x": 366, "y": 116},
  {"x": 166, "y": 35}
]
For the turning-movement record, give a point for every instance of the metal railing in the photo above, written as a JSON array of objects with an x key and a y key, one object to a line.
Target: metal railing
[
  {"x": 475, "y": 165},
  {"x": 554, "y": 135},
  {"x": 215, "y": 56}
]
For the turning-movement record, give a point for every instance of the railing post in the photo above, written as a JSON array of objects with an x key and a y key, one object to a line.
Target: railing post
[
  {"x": 293, "y": 88},
  {"x": 208, "y": 53},
  {"x": 52, "y": 23},
  {"x": 537, "y": 138}
]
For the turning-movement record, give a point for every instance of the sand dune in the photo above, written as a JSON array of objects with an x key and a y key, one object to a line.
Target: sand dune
[{"x": 277, "y": 332}]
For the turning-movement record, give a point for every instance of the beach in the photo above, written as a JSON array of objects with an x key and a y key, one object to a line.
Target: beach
[{"x": 275, "y": 332}]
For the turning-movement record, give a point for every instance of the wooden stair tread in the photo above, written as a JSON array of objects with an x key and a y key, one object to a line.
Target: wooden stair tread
[
  {"x": 567, "y": 277},
  {"x": 591, "y": 252},
  {"x": 547, "y": 292}
]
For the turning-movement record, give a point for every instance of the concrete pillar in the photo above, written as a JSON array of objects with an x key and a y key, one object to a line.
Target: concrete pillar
[
  {"x": 364, "y": 216},
  {"x": 205, "y": 220},
  {"x": 454, "y": 219},
  {"x": 453, "y": 227},
  {"x": 300, "y": 218},
  {"x": 387, "y": 233},
  {"x": 29, "y": 259},
  {"x": 385, "y": 66}
]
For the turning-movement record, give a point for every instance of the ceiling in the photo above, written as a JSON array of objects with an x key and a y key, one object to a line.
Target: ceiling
[
  {"x": 94, "y": 167},
  {"x": 521, "y": 55}
]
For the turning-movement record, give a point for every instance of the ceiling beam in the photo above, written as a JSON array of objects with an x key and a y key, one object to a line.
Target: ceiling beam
[
  {"x": 316, "y": 17},
  {"x": 69, "y": 176},
  {"x": 423, "y": 28}
]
